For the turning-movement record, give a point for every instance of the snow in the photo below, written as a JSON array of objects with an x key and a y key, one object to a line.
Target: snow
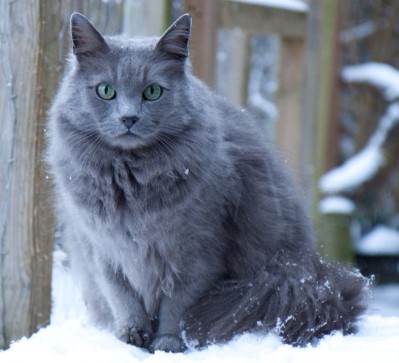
[
  {"x": 365, "y": 164},
  {"x": 382, "y": 240},
  {"x": 71, "y": 341},
  {"x": 293, "y": 5},
  {"x": 70, "y": 338},
  {"x": 354, "y": 172},
  {"x": 386, "y": 300},
  {"x": 357, "y": 32},
  {"x": 381, "y": 75},
  {"x": 259, "y": 102},
  {"x": 336, "y": 205}
]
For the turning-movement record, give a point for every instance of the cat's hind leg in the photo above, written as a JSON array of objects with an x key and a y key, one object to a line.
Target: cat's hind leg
[{"x": 301, "y": 303}]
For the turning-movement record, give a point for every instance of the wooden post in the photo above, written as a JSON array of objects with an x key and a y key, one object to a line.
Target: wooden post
[
  {"x": 205, "y": 14},
  {"x": 233, "y": 72},
  {"x": 257, "y": 18},
  {"x": 320, "y": 119},
  {"x": 29, "y": 69},
  {"x": 335, "y": 240},
  {"x": 289, "y": 127},
  {"x": 145, "y": 18}
]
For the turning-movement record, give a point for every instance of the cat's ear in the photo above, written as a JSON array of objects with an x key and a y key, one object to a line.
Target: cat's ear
[
  {"x": 174, "y": 42},
  {"x": 86, "y": 39}
]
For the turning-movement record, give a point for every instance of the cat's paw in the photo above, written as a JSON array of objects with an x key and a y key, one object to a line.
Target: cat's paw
[
  {"x": 134, "y": 336},
  {"x": 168, "y": 343}
]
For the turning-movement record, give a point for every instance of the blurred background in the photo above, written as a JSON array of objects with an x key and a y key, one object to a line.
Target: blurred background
[{"x": 320, "y": 76}]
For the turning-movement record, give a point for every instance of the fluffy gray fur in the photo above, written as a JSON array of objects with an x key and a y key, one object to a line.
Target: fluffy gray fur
[{"x": 179, "y": 219}]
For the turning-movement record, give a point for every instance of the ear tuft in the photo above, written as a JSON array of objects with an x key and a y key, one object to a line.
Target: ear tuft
[
  {"x": 174, "y": 42},
  {"x": 86, "y": 39}
]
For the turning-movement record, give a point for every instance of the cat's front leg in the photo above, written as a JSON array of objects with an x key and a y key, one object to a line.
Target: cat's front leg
[
  {"x": 167, "y": 337},
  {"x": 132, "y": 323},
  {"x": 134, "y": 336}
]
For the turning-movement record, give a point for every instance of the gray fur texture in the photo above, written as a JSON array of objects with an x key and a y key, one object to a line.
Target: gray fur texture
[{"x": 179, "y": 219}]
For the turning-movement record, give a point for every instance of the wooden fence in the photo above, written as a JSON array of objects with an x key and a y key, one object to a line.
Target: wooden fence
[
  {"x": 32, "y": 48},
  {"x": 253, "y": 19},
  {"x": 28, "y": 62}
]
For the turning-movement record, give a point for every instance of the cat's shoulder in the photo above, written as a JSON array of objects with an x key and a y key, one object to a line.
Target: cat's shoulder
[{"x": 238, "y": 124}]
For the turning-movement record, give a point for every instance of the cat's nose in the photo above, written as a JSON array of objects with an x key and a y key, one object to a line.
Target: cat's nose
[{"x": 129, "y": 121}]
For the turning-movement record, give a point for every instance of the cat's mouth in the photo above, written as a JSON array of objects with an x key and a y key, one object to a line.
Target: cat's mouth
[
  {"x": 127, "y": 139},
  {"x": 128, "y": 133}
]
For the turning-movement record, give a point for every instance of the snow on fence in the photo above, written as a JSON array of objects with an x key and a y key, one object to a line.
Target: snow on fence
[{"x": 366, "y": 163}]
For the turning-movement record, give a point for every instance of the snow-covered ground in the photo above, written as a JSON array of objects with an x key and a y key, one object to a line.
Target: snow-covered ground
[{"x": 70, "y": 338}]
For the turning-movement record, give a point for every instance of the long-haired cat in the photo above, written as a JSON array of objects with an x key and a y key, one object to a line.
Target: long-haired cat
[{"x": 180, "y": 221}]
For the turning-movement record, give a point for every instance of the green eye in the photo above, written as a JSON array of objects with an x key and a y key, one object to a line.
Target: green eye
[
  {"x": 105, "y": 91},
  {"x": 153, "y": 92}
]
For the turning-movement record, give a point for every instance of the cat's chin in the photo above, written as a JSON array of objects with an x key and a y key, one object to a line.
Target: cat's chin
[{"x": 127, "y": 141}]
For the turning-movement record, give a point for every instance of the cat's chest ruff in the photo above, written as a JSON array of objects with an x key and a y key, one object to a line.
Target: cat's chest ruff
[{"x": 115, "y": 192}]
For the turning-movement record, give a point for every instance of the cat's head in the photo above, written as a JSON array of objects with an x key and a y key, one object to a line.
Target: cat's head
[{"x": 129, "y": 91}]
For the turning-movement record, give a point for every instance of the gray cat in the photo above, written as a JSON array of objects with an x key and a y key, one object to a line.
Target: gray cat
[{"x": 180, "y": 221}]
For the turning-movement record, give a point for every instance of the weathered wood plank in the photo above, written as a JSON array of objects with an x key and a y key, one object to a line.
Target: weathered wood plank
[
  {"x": 289, "y": 98},
  {"x": 233, "y": 72},
  {"x": 18, "y": 182},
  {"x": 203, "y": 41},
  {"x": 321, "y": 119},
  {"x": 260, "y": 19},
  {"x": 29, "y": 55},
  {"x": 146, "y": 18},
  {"x": 48, "y": 71}
]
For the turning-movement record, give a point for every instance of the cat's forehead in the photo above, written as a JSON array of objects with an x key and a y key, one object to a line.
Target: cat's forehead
[
  {"x": 131, "y": 57},
  {"x": 127, "y": 59},
  {"x": 121, "y": 44}
]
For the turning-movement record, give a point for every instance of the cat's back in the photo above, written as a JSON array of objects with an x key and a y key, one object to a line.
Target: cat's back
[
  {"x": 267, "y": 193},
  {"x": 243, "y": 138}
]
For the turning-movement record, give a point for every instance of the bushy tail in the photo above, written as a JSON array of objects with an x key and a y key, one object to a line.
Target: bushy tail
[{"x": 299, "y": 305}]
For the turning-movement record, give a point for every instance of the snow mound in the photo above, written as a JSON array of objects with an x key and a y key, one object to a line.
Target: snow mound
[
  {"x": 382, "y": 240},
  {"x": 380, "y": 75},
  {"x": 71, "y": 341},
  {"x": 363, "y": 166},
  {"x": 354, "y": 172},
  {"x": 336, "y": 205}
]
